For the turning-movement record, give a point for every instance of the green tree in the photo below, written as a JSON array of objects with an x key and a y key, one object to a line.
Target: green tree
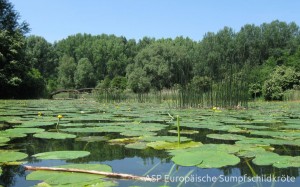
[
  {"x": 164, "y": 65},
  {"x": 84, "y": 76},
  {"x": 66, "y": 69},
  {"x": 119, "y": 82},
  {"x": 282, "y": 79},
  {"x": 41, "y": 55},
  {"x": 16, "y": 73},
  {"x": 138, "y": 81},
  {"x": 201, "y": 84},
  {"x": 9, "y": 19},
  {"x": 104, "y": 84}
]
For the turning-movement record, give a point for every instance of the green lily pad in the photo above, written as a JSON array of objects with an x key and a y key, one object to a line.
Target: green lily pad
[
  {"x": 226, "y": 136},
  {"x": 160, "y": 145},
  {"x": 206, "y": 159},
  {"x": 70, "y": 178},
  {"x": 292, "y": 126},
  {"x": 82, "y": 130},
  {"x": 72, "y": 124},
  {"x": 92, "y": 138},
  {"x": 252, "y": 126},
  {"x": 266, "y": 158},
  {"x": 287, "y": 162},
  {"x": 219, "y": 147},
  {"x": 36, "y": 124},
  {"x": 165, "y": 138},
  {"x": 8, "y": 134},
  {"x": 25, "y": 130},
  {"x": 278, "y": 134},
  {"x": 184, "y": 131},
  {"x": 250, "y": 151},
  {"x": 232, "y": 149},
  {"x": 138, "y": 133},
  {"x": 124, "y": 140},
  {"x": 137, "y": 145},
  {"x": 4, "y": 140},
  {"x": 61, "y": 155},
  {"x": 254, "y": 141},
  {"x": 53, "y": 135},
  {"x": 11, "y": 156}
]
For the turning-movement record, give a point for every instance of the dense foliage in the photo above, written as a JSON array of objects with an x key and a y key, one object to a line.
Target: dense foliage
[{"x": 264, "y": 60}]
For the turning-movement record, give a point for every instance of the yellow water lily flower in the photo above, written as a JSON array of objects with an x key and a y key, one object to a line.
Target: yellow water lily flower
[
  {"x": 40, "y": 113},
  {"x": 60, "y": 116}
]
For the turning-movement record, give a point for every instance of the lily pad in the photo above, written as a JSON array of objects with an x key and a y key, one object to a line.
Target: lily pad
[
  {"x": 250, "y": 151},
  {"x": 226, "y": 136},
  {"x": 70, "y": 178},
  {"x": 266, "y": 158},
  {"x": 92, "y": 138},
  {"x": 4, "y": 140},
  {"x": 73, "y": 124},
  {"x": 184, "y": 131},
  {"x": 287, "y": 161},
  {"x": 137, "y": 145},
  {"x": 11, "y": 156},
  {"x": 160, "y": 145},
  {"x": 54, "y": 135},
  {"x": 206, "y": 159},
  {"x": 138, "y": 133},
  {"x": 8, "y": 134},
  {"x": 219, "y": 147},
  {"x": 25, "y": 130},
  {"x": 61, "y": 155},
  {"x": 36, "y": 124},
  {"x": 278, "y": 134},
  {"x": 124, "y": 140},
  {"x": 165, "y": 138}
]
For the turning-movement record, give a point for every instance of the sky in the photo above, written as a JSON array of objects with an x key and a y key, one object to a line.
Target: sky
[{"x": 57, "y": 19}]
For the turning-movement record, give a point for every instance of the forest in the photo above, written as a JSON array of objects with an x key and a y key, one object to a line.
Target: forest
[{"x": 258, "y": 61}]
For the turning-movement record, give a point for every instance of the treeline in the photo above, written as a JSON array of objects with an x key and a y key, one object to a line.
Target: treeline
[{"x": 264, "y": 60}]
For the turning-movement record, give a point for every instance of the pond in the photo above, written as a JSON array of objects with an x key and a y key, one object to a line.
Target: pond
[{"x": 258, "y": 146}]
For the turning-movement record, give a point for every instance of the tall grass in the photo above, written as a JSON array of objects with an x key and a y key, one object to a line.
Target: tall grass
[
  {"x": 220, "y": 95},
  {"x": 291, "y": 95}
]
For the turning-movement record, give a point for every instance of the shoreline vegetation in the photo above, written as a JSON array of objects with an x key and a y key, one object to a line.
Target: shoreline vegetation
[{"x": 226, "y": 68}]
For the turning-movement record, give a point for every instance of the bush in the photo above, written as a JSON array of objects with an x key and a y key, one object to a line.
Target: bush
[{"x": 282, "y": 79}]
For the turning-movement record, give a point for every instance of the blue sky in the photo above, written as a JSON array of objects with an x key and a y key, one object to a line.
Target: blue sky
[{"x": 134, "y": 19}]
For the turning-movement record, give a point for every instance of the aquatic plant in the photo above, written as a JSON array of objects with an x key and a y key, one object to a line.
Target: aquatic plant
[{"x": 57, "y": 125}]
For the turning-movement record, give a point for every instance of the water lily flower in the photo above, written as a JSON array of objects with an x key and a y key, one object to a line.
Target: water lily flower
[
  {"x": 59, "y": 116},
  {"x": 40, "y": 113}
]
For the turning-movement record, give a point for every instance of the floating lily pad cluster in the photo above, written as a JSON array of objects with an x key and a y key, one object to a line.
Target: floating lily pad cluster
[{"x": 251, "y": 134}]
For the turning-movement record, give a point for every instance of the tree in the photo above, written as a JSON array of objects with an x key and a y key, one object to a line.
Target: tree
[
  {"x": 9, "y": 19},
  {"x": 164, "y": 65},
  {"x": 66, "y": 69},
  {"x": 282, "y": 79},
  {"x": 41, "y": 55},
  {"x": 16, "y": 73},
  {"x": 201, "y": 84},
  {"x": 84, "y": 76},
  {"x": 119, "y": 82},
  {"x": 138, "y": 81}
]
